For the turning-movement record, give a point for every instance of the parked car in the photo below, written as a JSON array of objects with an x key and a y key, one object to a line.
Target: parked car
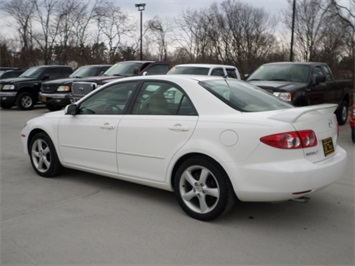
[
  {"x": 23, "y": 90},
  {"x": 117, "y": 71},
  {"x": 6, "y": 73},
  {"x": 352, "y": 123},
  {"x": 55, "y": 94},
  {"x": 205, "y": 69},
  {"x": 303, "y": 84},
  {"x": 206, "y": 139}
]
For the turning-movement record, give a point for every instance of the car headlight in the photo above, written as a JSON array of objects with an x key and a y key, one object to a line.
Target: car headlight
[
  {"x": 286, "y": 96},
  {"x": 63, "y": 88},
  {"x": 8, "y": 87}
]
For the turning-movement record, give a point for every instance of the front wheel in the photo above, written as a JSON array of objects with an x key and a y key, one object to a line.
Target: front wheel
[
  {"x": 203, "y": 189},
  {"x": 25, "y": 101},
  {"x": 43, "y": 156}
]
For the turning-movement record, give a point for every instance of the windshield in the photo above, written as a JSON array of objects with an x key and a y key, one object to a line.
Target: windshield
[
  {"x": 84, "y": 72},
  {"x": 281, "y": 72},
  {"x": 123, "y": 69},
  {"x": 188, "y": 70},
  {"x": 33, "y": 72},
  {"x": 243, "y": 96}
]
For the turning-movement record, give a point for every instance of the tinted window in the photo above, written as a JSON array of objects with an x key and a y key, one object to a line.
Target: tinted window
[
  {"x": 161, "y": 98},
  {"x": 111, "y": 100},
  {"x": 158, "y": 69},
  {"x": 217, "y": 72},
  {"x": 281, "y": 72},
  {"x": 243, "y": 96},
  {"x": 123, "y": 69},
  {"x": 188, "y": 70},
  {"x": 231, "y": 73}
]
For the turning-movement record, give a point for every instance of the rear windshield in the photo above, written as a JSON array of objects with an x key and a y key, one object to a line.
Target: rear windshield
[
  {"x": 243, "y": 96},
  {"x": 188, "y": 70}
]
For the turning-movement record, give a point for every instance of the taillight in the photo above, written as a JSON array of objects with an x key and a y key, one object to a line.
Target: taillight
[{"x": 291, "y": 140}]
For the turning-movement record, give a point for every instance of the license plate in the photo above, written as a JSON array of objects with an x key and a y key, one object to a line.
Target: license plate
[
  {"x": 328, "y": 146},
  {"x": 43, "y": 99}
]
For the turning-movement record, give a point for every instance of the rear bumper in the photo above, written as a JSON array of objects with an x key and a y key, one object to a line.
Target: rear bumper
[{"x": 287, "y": 180}]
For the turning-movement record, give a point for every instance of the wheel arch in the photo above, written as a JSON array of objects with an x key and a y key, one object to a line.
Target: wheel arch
[
  {"x": 196, "y": 154},
  {"x": 31, "y": 135}
]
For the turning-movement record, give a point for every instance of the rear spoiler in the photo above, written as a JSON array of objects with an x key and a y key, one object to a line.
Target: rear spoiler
[{"x": 293, "y": 114}]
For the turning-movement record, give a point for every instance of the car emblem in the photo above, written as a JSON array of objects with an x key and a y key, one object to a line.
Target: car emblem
[
  {"x": 81, "y": 89},
  {"x": 330, "y": 123}
]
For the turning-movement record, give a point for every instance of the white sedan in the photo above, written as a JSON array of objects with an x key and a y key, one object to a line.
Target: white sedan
[{"x": 210, "y": 140}]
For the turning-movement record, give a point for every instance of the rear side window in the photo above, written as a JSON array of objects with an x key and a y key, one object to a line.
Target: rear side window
[
  {"x": 162, "y": 98},
  {"x": 243, "y": 96}
]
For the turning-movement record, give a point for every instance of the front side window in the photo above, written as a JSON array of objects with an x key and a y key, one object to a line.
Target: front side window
[
  {"x": 243, "y": 96},
  {"x": 231, "y": 73},
  {"x": 158, "y": 69},
  {"x": 162, "y": 98},
  {"x": 109, "y": 101}
]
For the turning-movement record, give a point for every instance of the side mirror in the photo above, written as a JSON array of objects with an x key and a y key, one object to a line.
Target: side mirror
[
  {"x": 320, "y": 79},
  {"x": 71, "y": 109},
  {"x": 145, "y": 73}
]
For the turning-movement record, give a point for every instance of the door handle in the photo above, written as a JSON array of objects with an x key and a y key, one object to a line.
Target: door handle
[
  {"x": 107, "y": 126},
  {"x": 179, "y": 127}
]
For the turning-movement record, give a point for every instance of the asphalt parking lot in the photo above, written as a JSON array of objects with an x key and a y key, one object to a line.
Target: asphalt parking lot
[{"x": 85, "y": 219}]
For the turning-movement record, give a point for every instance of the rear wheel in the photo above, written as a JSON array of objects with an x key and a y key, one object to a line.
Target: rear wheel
[
  {"x": 43, "y": 156},
  {"x": 203, "y": 189},
  {"x": 25, "y": 101},
  {"x": 342, "y": 113}
]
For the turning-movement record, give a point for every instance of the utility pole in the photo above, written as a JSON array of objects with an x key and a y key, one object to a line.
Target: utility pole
[
  {"x": 293, "y": 29},
  {"x": 141, "y": 8}
]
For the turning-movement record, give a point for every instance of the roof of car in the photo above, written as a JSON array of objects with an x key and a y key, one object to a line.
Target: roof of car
[
  {"x": 295, "y": 63},
  {"x": 203, "y": 65}
]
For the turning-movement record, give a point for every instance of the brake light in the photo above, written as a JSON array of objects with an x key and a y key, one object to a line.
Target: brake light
[{"x": 291, "y": 140}]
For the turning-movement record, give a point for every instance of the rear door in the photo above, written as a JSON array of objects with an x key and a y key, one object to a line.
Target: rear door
[{"x": 161, "y": 122}]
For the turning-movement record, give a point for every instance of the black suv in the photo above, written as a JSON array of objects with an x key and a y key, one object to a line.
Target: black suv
[
  {"x": 120, "y": 70},
  {"x": 55, "y": 94},
  {"x": 9, "y": 72},
  {"x": 23, "y": 90}
]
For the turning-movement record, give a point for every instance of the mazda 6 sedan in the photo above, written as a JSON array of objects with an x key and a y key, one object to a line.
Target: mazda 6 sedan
[{"x": 209, "y": 140}]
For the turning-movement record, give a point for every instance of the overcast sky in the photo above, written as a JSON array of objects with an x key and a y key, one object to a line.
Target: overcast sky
[{"x": 172, "y": 8}]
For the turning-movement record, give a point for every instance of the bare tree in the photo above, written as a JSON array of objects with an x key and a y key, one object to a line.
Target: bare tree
[
  {"x": 22, "y": 12},
  {"x": 160, "y": 32},
  {"x": 112, "y": 25},
  {"x": 347, "y": 15}
]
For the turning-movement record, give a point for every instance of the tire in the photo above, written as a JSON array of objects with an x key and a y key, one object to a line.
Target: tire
[
  {"x": 203, "y": 189},
  {"x": 353, "y": 134},
  {"x": 342, "y": 113},
  {"x": 25, "y": 101},
  {"x": 52, "y": 107},
  {"x": 43, "y": 156}
]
